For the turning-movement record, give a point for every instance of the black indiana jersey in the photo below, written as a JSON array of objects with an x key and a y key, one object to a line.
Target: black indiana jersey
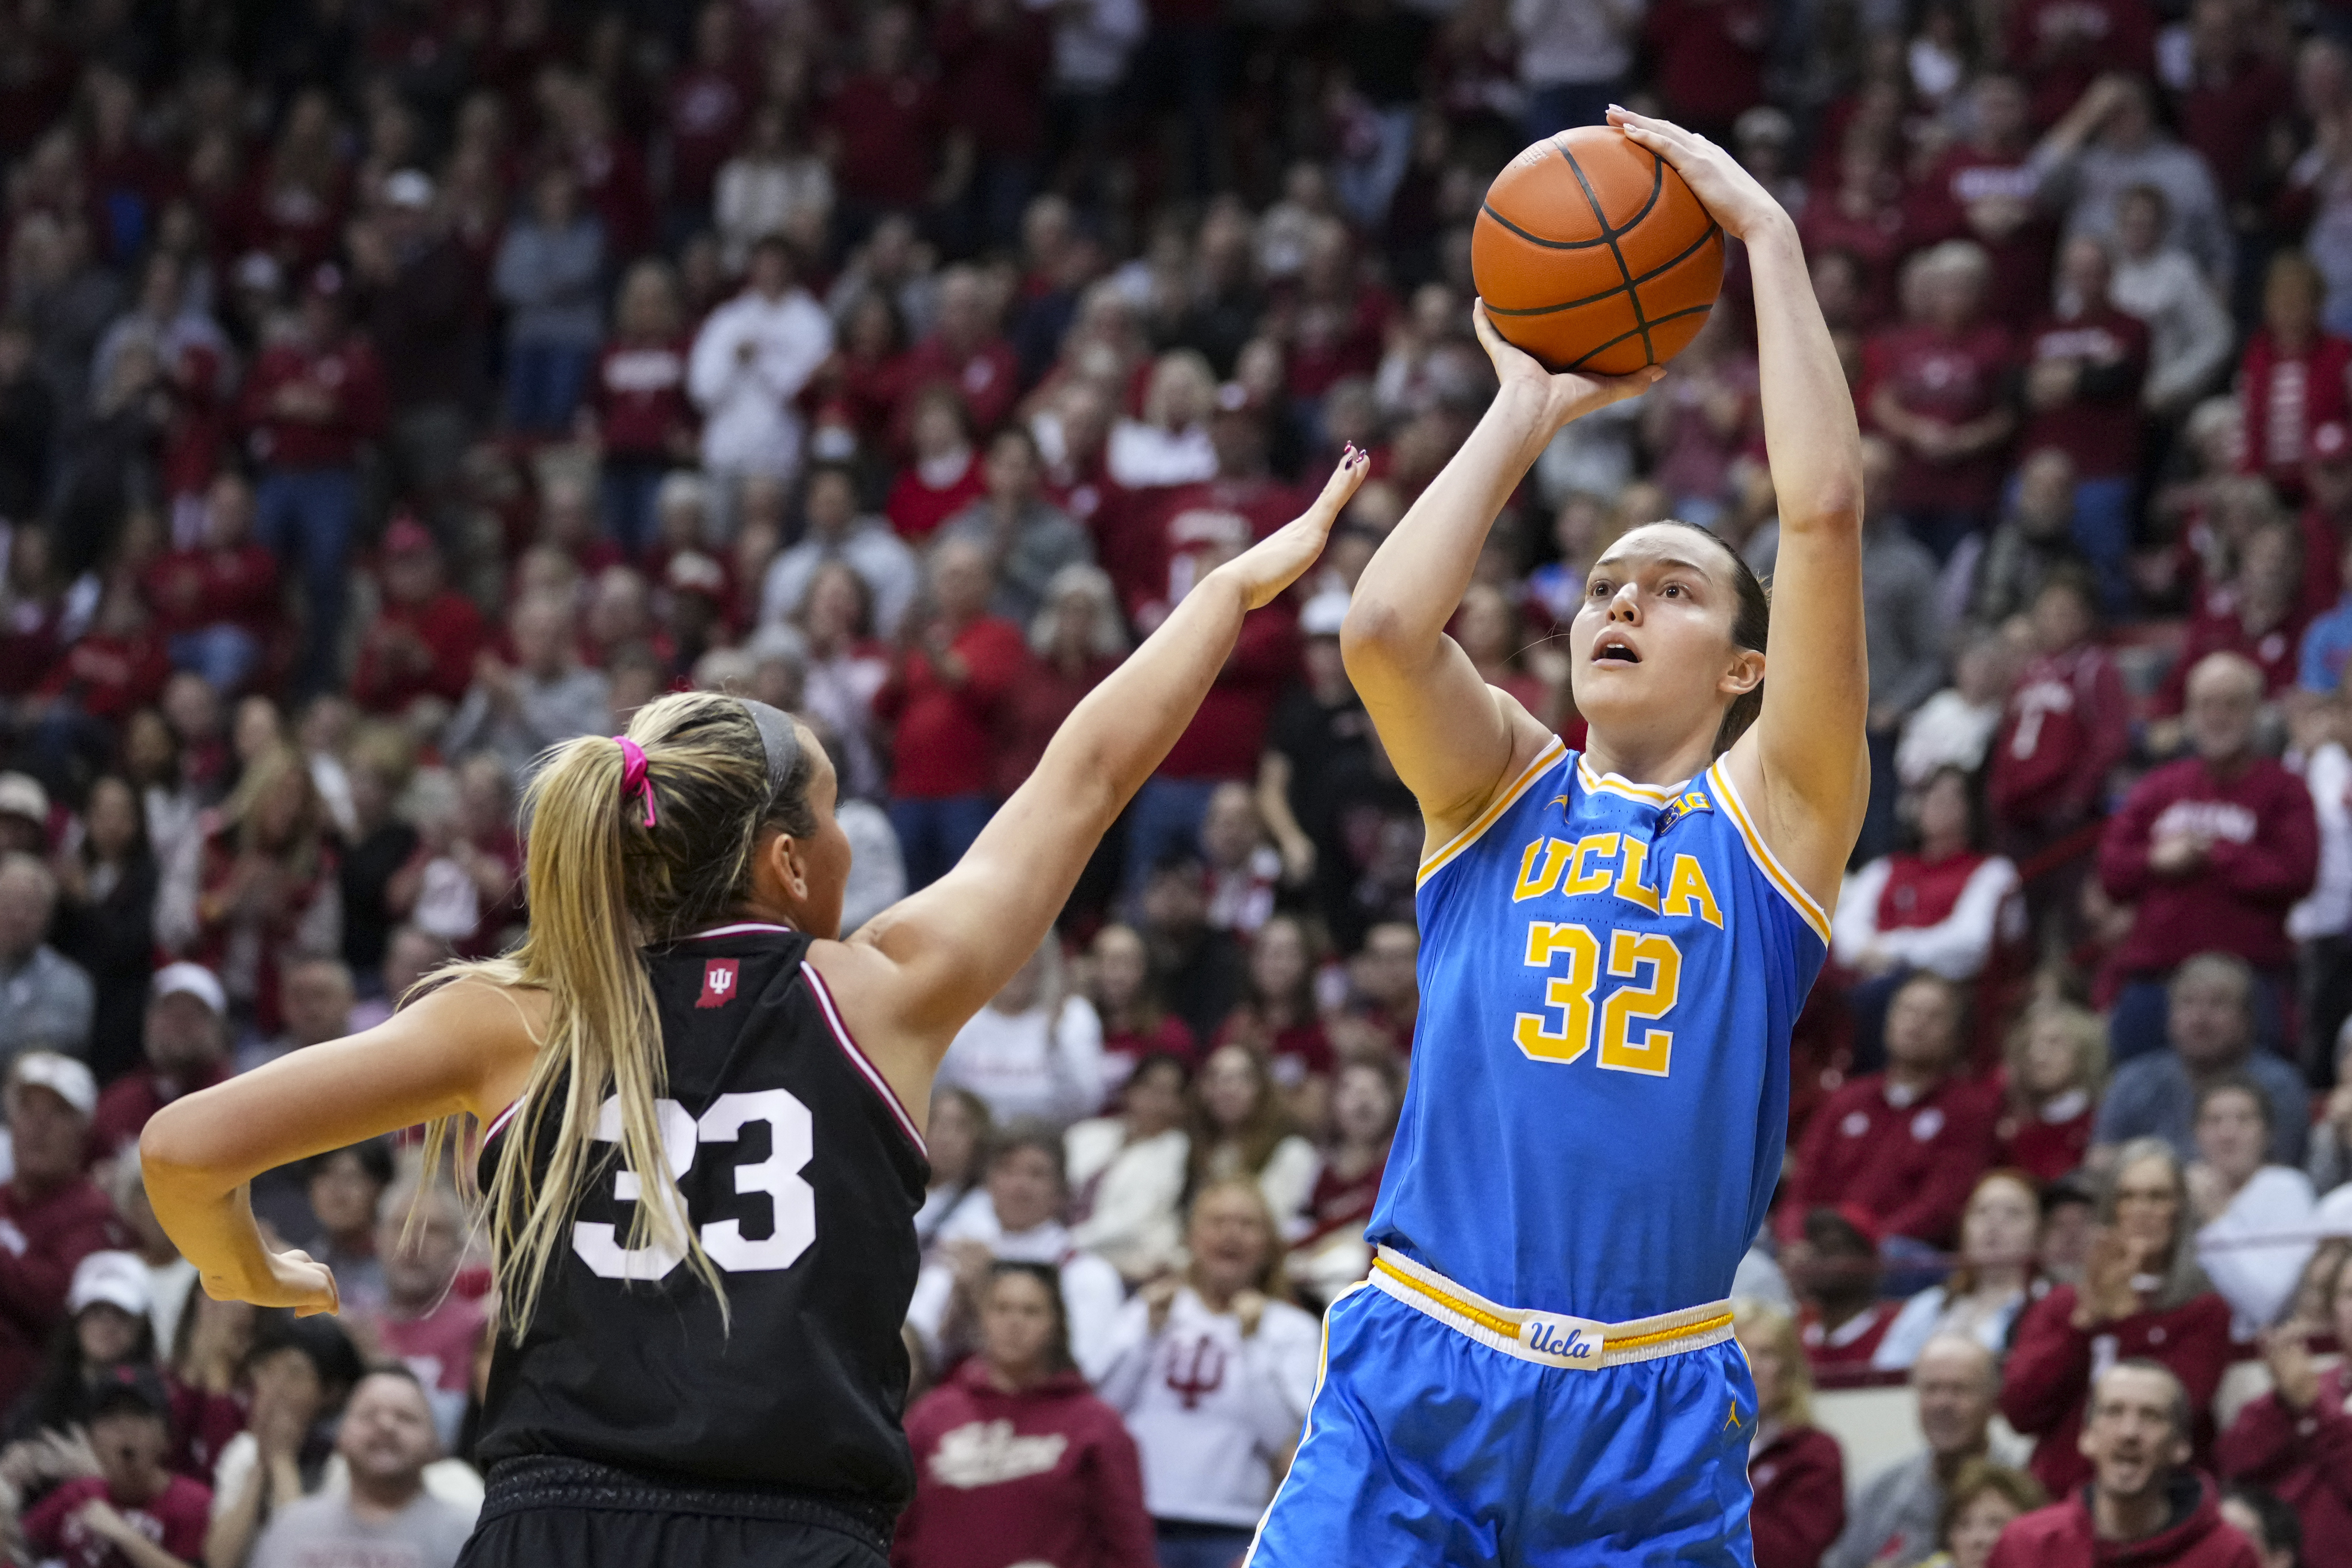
[{"x": 802, "y": 1173}]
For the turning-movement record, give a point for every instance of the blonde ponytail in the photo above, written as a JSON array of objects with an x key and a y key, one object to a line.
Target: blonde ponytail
[{"x": 602, "y": 883}]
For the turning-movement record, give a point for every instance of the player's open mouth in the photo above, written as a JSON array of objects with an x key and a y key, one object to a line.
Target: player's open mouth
[{"x": 1615, "y": 649}]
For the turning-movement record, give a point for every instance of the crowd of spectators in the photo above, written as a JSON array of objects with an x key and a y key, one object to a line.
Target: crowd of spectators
[{"x": 389, "y": 391}]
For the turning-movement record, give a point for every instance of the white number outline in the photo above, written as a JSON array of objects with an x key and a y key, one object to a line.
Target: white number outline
[{"x": 791, "y": 1146}]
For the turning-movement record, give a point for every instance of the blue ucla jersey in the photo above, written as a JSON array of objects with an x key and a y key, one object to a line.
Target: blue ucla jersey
[{"x": 1600, "y": 1092}]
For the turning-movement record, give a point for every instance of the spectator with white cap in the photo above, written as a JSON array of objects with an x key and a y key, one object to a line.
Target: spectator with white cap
[
  {"x": 107, "y": 1331},
  {"x": 24, "y": 815},
  {"x": 186, "y": 1040},
  {"x": 51, "y": 1214},
  {"x": 46, "y": 1001}
]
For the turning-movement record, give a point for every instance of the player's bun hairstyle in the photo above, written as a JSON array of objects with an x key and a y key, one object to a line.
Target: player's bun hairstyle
[
  {"x": 619, "y": 861},
  {"x": 1749, "y": 628}
]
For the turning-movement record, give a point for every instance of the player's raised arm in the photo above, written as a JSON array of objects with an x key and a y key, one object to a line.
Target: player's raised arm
[
  {"x": 1454, "y": 739},
  {"x": 1803, "y": 765},
  {"x": 914, "y": 974}
]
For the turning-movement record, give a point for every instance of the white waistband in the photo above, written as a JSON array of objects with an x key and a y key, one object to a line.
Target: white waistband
[{"x": 1551, "y": 1339}]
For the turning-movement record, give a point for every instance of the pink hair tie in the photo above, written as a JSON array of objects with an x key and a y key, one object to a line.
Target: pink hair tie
[{"x": 634, "y": 781}]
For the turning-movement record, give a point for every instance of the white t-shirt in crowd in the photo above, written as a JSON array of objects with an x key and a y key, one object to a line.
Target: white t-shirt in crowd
[
  {"x": 1091, "y": 1288},
  {"x": 1026, "y": 1065}
]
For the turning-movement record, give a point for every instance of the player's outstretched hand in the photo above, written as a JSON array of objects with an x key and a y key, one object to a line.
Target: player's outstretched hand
[
  {"x": 1570, "y": 395},
  {"x": 1277, "y": 560},
  {"x": 1729, "y": 192},
  {"x": 294, "y": 1279}
]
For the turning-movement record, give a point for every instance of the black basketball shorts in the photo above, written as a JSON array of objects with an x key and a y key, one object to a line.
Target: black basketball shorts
[{"x": 542, "y": 1512}]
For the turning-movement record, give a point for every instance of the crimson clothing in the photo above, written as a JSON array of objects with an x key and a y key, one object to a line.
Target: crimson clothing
[
  {"x": 2196, "y": 1536},
  {"x": 639, "y": 397},
  {"x": 2046, "y": 1386},
  {"x": 988, "y": 379},
  {"x": 916, "y": 509},
  {"x": 109, "y": 677},
  {"x": 2225, "y": 115},
  {"x": 2099, "y": 427},
  {"x": 1921, "y": 893},
  {"x": 202, "y": 1426},
  {"x": 2066, "y": 725},
  {"x": 43, "y": 1235},
  {"x": 2265, "y": 857},
  {"x": 1227, "y": 736},
  {"x": 2061, "y": 46},
  {"x": 2285, "y": 397},
  {"x": 1035, "y": 710},
  {"x": 127, "y": 1104},
  {"x": 1710, "y": 57},
  {"x": 707, "y": 107},
  {"x": 2277, "y": 652},
  {"x": 1909, "y": 1162},
  {"x": 887, "y": 128},
  {"x": 2304, "y": 1456},
  {"x": 1852, "y": 1345},
  {"x": 1954, "y": 381},
  {"x": 175, "y": 1519},
  {"x": 995, "y": 79},
  {"x": 1800, "y": 1482},
  {"x": 411, "y": 650},
  {"x": 1155, "y": 546},
  {"x": 1171, "y": 1035},
  {"x": 1877, "y": 240},
  {"x": 2048, "y": 1142},
  {"x": 1939, "y": 207},
  {"x": 439, "y": 1347},
  {"x": 1046, "y": 1475},
  {"x": 192, "y": 589},
  {"x": 1341, "y": 1203},
  {"x": 349, "y": 378},
  {"x": 946, "y": 736}
]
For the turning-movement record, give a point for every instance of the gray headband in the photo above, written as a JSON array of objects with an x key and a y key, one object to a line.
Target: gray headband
[{"x": 781, "y": 741}]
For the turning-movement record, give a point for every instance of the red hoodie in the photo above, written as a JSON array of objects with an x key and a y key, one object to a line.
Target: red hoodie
[
  {"x": 2047, "y": 1384},
  {"x": 2304, "y": 1456},
  {"x": 1911, "y": 1166},
  {"x": 2264, "y": 856},
  {"x": 1046, "y": 1475},
  {"x": 2067, "y": 724},
  {"x": 1800, "y": 1483},
  {"x": 2062, "y": 1536}
]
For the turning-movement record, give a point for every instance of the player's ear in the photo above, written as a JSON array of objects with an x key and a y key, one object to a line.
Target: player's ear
[
  {"x": 779, "y": 868},
  {"x": 1744, "y": 674}
]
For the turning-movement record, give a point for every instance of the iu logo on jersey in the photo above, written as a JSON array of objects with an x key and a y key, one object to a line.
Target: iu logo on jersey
[{"x": 718, "y": 983}]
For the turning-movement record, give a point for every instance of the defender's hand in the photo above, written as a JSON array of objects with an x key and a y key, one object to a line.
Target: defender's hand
[{"x": 1280, "y": 558}]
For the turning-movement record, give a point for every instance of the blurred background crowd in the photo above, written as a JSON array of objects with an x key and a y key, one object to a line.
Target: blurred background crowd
[{"x": 390, "y": 389}]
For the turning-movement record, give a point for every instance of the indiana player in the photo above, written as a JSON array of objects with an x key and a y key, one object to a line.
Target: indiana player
[
  {"x": 703, "y": 1368},
  {"x": 1614, "y": 945}
]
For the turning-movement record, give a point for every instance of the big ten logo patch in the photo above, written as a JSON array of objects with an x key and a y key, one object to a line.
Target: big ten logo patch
[{"x": 719, "y": 978}]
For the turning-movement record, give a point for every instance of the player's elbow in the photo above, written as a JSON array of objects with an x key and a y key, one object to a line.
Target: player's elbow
[{"x": 175, "y": 1150}]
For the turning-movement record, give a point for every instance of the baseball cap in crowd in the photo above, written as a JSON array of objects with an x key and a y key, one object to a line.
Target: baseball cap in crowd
[
  {"x": 118, "y": 1278},
  {"x": 129, "y": 1389},
  {"x": 62, "y": 1076},
  {"x": 2331, "y": 442},
  {"x": 408, "y": 188},
  {"x": 186, "y": 979},
  {"x": 21, "y": 795},
  {"x": 1324, "y": 614},
  {"x": 691, "y": 571}
]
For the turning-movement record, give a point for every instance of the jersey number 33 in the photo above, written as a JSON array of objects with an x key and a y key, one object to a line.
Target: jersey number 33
[{"x": 790, "y": 1148}]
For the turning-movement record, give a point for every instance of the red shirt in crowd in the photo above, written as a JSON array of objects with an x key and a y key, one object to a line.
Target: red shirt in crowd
[
  {"x": 2049, "y": 1142},
  {"x": 1938, "y": 205},
  {"x": 2304, "y": 1456},
  {"x": 2067, "y": 724},
  {"x": 2226, "y": 113},
  {"x": 2286, "y": 396},
  {"x": 411, "y": 650},
  {"x": 1046, "y": 1475},
  {"x": 2098, "y": 427},
  {"x": 175, "y": 1519},
  {"x": 2046, "y": 1386},
  {"x": 2061, "y": 46},
  {"x": 995, "y": 81},
  {"x": 1710, "y": 57},
  {"x": 946, "y": 736},
  {"x": 1228, "y": 734},
  {"x": 43, "y": 1236},
  {"x": 192, "y": 589},
  {"x": 1907, "y": 1159},
  {"x": 987, "y": 377},
  {"x": 1170, "y": 1034},
  {"x": 124, "y": 1108},
  {"x": 2264, "y": 854},
  {"x": 639, "y": 397},
  {"x": 2064, "y": 1535},
  {"x": 1034, "y": 711},
  {"x": 1951, "y": 380},
  {"x": 439, "y": 1345},
  {"x": 1800, "y": 1483},
  {"x": 345, "y": 377},
  {"x": 2217, "y": 628},
  {"x": 708, "y": 105},
  {"x": 916, "y": 508},
  {"x": 886, "y": 127},
  {"x": 110, "y": 676}
]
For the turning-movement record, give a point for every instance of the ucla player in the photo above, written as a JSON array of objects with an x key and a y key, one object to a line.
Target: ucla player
[{"x": 1614, "y": 943}]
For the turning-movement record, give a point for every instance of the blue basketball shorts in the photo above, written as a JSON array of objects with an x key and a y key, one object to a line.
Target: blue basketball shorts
[{"x": 1428, "y": 1447}]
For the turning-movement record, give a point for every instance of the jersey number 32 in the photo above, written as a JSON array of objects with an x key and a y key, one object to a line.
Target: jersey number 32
[{"x": 790, "y": 1149}]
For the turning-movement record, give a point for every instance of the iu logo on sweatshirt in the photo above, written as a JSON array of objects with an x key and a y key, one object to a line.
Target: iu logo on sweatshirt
[{"x": 718, "y": 983}]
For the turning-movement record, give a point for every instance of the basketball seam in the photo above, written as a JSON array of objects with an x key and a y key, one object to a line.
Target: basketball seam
[
  {"x": 1641, "y": 316},
  {"x": 1538, "y": 239},
  {"x": 1658, "y": 186},
  {"x": 1650, "y": 276},
  {"x": 1643, "y": 331}
]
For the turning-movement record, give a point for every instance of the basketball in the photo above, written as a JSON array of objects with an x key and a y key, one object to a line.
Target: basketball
[{"x": 1592, "y": 255}]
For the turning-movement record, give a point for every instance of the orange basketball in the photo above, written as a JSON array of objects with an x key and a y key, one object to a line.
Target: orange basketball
[{"x": 1592, "y": 255}]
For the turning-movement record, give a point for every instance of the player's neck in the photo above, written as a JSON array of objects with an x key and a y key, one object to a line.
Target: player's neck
[{"x": 1646, "y": 759}]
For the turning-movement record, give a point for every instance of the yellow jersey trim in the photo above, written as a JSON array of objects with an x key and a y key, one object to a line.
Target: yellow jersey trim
[
  {"x": 1766, "y": 861},
  {"x": 1617, "y": 783},
  {"x": 1495, "y": 809}
]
